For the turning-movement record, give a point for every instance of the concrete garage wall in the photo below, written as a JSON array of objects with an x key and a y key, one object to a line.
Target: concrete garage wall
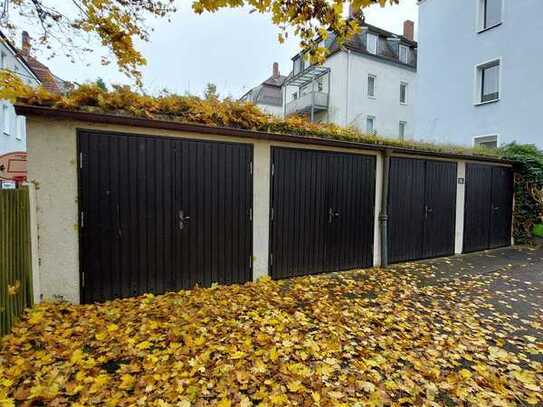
[{"x": 52, "y": 167}]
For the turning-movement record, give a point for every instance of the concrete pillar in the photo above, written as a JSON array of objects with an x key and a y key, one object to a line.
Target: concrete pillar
[
  {"x": 35, "y": 257},
  {"x": 378, "y": 202},
  {"x": 460, "y": 201},
  {"x": 261, "y": 209}
]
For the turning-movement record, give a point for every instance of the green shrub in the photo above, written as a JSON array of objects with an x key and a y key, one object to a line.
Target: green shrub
[{"x": 528, "y": 188}]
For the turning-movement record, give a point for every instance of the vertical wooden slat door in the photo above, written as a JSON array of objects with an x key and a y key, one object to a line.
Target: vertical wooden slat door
[
  {"x": 488, "y": 207},
  {"x": 299, "y": 212},
  {"x": 440, "y": 209},
  {"x": 160, "y": 214},
  {"x": 406, "y": 209},
  {"x": 421, "y": 209},
  {"x": 322, "y": 212},
  {"x": 352, "y": 192},
  {"x": 502, "y": 207},
  {"x": 478, "y": 207}
]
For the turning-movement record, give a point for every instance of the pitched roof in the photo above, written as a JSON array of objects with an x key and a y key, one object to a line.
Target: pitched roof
[
  {"x": 387, "y": 45},
  {"x": 275, "y": 81},
  {"x": 17, "y": 54},
  {"x": 268, "y": 92},
  {"x": 48, "y": 80}
]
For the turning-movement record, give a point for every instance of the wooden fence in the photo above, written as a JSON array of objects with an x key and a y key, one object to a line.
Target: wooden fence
[{"x": 15, "y": 257}]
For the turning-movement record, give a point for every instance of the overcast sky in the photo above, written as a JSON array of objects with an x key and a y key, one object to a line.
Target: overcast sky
[{"x": 231, "y": 48}]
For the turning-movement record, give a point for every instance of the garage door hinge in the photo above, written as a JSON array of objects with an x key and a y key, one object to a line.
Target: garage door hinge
[
  {"x": 82, "y": 222},
  {"x": 272, "y": 215},
  {"x": 271, "y": 259},
  {"x": 80, "y": 160},
  {"x": 251, "y": 168},
  {"x": 82, "y": 279},
  {"x": 250, "y": 262},
  {"x": 273, "y": 169},
  {"x": 251, "y": 214}
]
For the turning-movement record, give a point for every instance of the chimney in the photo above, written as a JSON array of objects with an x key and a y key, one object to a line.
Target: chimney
[
  {"x": 409, "y": 30},
  {"x": 276, "y": 73},
  {"x": 26, "y": 46}
]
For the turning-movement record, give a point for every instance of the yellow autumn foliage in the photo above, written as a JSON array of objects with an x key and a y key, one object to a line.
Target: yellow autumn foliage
[
  {"x": 123, "y": 100},
  {"x": 363, "y": 338}
]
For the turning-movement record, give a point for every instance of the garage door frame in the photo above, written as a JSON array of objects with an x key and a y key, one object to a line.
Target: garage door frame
[
  {"x": 416, "y": 214},
  {"x": 248, "y": 150},
  {"x": 484, "y": 188},
  {"x": 326, "y": 265}
]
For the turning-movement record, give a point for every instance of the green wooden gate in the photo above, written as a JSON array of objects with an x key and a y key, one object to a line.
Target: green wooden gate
[{"x": 15, "y": 257}]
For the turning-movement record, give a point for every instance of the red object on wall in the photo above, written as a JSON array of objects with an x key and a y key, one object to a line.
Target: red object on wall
[{"x": 13, "y": 166}]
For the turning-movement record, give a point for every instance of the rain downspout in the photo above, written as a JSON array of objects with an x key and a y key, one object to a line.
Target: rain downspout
[
  {"x": 347, "y": 93},
  {"x": 383, "y": 216}
]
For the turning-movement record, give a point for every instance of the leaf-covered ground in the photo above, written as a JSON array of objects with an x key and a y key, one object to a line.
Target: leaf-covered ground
[{"x": 411, "y": 335}]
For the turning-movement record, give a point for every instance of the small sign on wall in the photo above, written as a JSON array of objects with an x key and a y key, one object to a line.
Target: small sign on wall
[
  {"x": 8, "y": 184},
  {"x": 13, "y": 166}
]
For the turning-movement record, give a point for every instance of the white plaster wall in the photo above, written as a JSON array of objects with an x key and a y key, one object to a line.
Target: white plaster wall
[
  {"x": 52, "y": 168},
  {"x": 386, "y": 106},
  {"x": 460, "y": 205},
  {"x": 14, "y": 139},
  {"x": 449, "y": 49},
  {"x": 276, "y": 111},
  {"x": 349, "y": 101}
]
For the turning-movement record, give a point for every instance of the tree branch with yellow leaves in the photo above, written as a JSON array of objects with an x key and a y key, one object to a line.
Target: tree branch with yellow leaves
[{"x": 119, "y": 23}]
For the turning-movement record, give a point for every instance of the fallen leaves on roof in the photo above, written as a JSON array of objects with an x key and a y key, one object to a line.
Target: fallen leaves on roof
[
  {"x": 122, "y": 100},
  {"x": 364, "y": 338}
]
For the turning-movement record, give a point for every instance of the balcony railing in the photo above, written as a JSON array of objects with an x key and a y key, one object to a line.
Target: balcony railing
[{"x": 303, "y": 104}]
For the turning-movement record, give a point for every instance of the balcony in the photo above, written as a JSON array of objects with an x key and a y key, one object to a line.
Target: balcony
[{"x": 311, "y": 101}]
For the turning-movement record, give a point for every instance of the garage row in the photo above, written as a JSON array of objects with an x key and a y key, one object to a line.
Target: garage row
[{"x": 162, "y": 213}]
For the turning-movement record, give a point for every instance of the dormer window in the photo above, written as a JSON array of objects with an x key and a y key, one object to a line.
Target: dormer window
[
  {"x": 372, "y": 44},
  {"x": 404, "y": 54}
]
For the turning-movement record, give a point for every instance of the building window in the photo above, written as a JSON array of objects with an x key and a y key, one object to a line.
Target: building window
[
  {"x": 21, "y": 128},
  {"x": 486, "y": 141},
  {"x": 403, "y": 93},
  {"x": 370, "y": 125},
  {"x": 5, "y": 114},
  {"x": 488, "y": 82},
  {"x": 401, "y": 133},
  {"x": 371, "y": 86},
  {"x": 297, "y": 66},
  {"x": 404, "y": 54},
  {"x": 490, "y": 12},
  {"x": 372, "y": 44}
]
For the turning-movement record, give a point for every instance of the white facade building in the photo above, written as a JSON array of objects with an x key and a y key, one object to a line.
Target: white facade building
[
  {"x": 368, "y": 83},
  {"x": 479, "y": 71},
  {"x": 13, "y": 136}
]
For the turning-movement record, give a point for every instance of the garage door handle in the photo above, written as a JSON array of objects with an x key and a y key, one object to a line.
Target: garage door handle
[
  {"x": 427, "y": 211},
  {"x": 182, "y": 220},
  {"x": 332, "y": 215}
]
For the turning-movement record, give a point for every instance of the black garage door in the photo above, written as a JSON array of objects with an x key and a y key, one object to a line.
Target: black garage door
[
  {"x": 421, "y": 209},
  {"x": 488, "y": 208},
  {"x": 322, "y": 212},
  {"x": 161, "y": 214}
]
